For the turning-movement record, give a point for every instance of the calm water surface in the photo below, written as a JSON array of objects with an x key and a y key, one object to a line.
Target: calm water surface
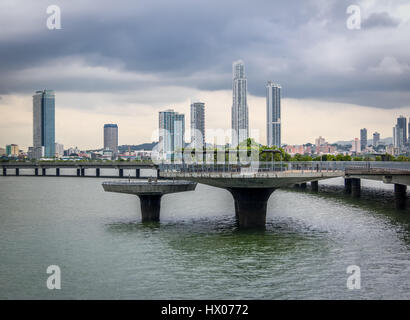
[{"x": 196, "y": 251}]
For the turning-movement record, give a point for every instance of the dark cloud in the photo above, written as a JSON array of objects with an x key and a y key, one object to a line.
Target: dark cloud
[
  {"x": 304, "y": 45},
  {"x": 380, "y": 20}
]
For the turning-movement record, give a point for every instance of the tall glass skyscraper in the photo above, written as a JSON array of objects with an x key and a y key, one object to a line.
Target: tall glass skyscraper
[
  {"x": 111, "y": 138},
  {"x": 44, "y": 124},
  {"x": 240, "y": 121},
  {"x": 172, "y": 132},
  {"x": 363, "y": 139},
  {"x": 400, "y": 133},
  {"x": 198, "y": 125},
  {"x": 273, "y": 111}
]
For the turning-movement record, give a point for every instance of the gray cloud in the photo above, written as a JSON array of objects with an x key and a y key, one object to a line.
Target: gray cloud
[
  {"x": 304, "y": 45},
  {"x": 380, "y": 20}
]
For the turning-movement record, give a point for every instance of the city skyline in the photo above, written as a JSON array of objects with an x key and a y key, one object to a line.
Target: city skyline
[{"x": 328, "y": 71}]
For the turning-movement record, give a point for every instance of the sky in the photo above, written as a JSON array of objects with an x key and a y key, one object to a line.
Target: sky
[{"x": 124, "y": 61}]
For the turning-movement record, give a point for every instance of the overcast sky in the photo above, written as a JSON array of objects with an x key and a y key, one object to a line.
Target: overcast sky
[{"x": 123, "y": 61}]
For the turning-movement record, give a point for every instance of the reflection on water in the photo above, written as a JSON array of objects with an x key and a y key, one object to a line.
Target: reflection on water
[{"x": 197, "y": 250}]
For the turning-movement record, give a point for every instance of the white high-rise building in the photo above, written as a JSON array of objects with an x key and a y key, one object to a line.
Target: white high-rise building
[
  {"x": 172, "y": 132},
  {"x": 356, "y": 146},
  {"x": 273, "y": 110},
  {"x": 198, "y": 125},
  {"x": 179, "y": 132},
  {"x": 240, "y": 121}
]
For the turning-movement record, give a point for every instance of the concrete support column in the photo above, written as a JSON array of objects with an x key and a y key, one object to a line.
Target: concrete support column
[
  {"x": 400, "y": 196},
  {"x": 356, "y": 187},
  {"x": 97, "y": 172},
  {"x": 303, "y": 185},
  {"x": 83, "y": 172},
  {"x": 36, "y": 172},
  {"x": 250, "y": 206},
  {"x": 150, "y": 207},
  {"x": 348, "y": 185},
  {"x": 4, "y": 171},
  {"x": 57, "y": 172},
  {"x": 121, "y": 173},
  {"x": 137, "y": 173},
  {"x": 78, "y": 172},
  {"x": 43, "y": 171},
  {"x": 314, "y": 185}
]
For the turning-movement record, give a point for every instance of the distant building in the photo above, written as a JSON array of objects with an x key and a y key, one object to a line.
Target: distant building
[
  {"x": 402, "y": 124},
  {"x": 273, "y": 114},
  {"x": 392, "y": 150},
  {"x": 320, "y": 141},
  {"x": 111, "y": 138},
  {"x": 44, "y": 124},
  {"x": 72, "y": 151},
  {"x": 12, "y": 150},
  {"x": 172, "y": 132},
  {"x": 294, "y": 149},
  {"x": 408, "y": 135},
  {"x": 179, "y": 132},
  {"x": 59, "y": 149},
  {"x": 400, "y": 133},
  {"x": 240, "y": 117},
  {"x": 376, "y": 139},
  {"x": 198, "y": 125},
  {"x": 356, "y": 148},
  {"x": 2, "y": 152},
  {"x": 363, "y": 139}
]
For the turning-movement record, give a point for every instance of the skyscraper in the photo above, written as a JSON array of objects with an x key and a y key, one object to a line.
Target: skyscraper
[
  {"x": 402, "y": 124},
  {"x": 240, "y": 122},
  {"x": 111, "y": 138},
  {"x": 179, "y": 132},
  {"x": 273, "y": 110},
  {"x": 376, "y": 139},
  {"x": 363, "y": 139},
  {"x": 198, "y": 125},
  {"x": 400, "y": 133},
  {"x": 44, "y": 124},
  {"x": 172, "y": 131}
]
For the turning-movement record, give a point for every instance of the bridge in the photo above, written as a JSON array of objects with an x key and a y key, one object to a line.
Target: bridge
[
  {"x": 250, "y": 185},
  {"x": 83, "y": 168}
]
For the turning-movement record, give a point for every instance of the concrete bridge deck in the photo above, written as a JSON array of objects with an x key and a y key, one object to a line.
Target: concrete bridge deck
[
  {"x": 149, "y": 192},
  {"x": 393, "y": 176},
  {"x": 277, "y": 179}
]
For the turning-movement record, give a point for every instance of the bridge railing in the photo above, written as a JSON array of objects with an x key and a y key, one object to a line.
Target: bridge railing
[{"x": 281, "y": 166}]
